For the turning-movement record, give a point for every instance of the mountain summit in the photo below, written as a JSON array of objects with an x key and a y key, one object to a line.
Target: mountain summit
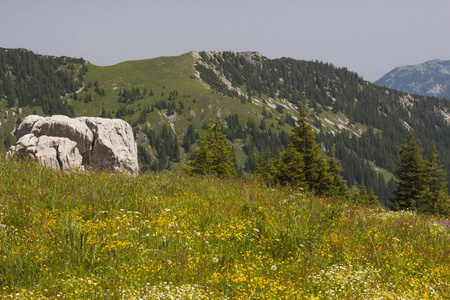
[{"x": 431, "y": 78}]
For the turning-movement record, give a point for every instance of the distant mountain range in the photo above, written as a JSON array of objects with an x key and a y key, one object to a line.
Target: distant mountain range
[{"x": 431, "y": 78}]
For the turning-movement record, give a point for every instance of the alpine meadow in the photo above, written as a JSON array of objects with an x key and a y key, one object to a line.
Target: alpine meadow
[{"x": 259, "y": 179}]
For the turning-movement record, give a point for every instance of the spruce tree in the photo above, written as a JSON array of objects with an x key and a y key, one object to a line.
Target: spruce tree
[
  {"x": 290, "y": 168},
  {"x": 214, "y": 155},
  {"x": 266, "y": 168},
  {"x": 436, "y": 198},
  {"x": 315, "y": 168},
  {"x": 411, "y": 182},
  {"x": 103, "y": 112},
  {"x": 361, "y": 196},
  {"x": 203, "y": 156},
  {"x": 304, "y": 164},
  {"x": 339, "y": 185}
]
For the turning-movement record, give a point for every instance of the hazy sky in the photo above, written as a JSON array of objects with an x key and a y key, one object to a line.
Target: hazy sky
[{"x": 368, "y": 37}]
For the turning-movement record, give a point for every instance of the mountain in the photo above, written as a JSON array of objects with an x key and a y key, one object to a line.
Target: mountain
[
  {"x": 431, "y": 78},
  {"x": 168, "y": 101}
]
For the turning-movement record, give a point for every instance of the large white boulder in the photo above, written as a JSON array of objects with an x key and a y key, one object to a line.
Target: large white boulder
[
  {"x": 64, "y": 143},
  {"x": 63, "y": 126},
  {"x": 114, "y": 147}
]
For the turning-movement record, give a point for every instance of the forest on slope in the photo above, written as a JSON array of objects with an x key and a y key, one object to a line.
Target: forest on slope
[
  {"x": 28, "y": 79},
  {"x": 386, "y": 115}
]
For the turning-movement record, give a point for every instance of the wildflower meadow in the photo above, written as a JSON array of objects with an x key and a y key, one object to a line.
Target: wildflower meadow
[{"x": 176, "y": 236}]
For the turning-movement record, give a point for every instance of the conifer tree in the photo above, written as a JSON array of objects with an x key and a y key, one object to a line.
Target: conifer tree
[
  {"x": 315, "y": 167},
  {"x": 214, "y": 155},
  {"x": 290, "y": 167},
  {"x": 361, "y": 196},
  {"x": 339, "y": 185},
  {"x": 304, "y": 164},
  {"x": 436, "y": 198},
  {"x": 265, "y": 167},
  {"x": 103, "y": 112},
  {"x": 411, "y": 184}
]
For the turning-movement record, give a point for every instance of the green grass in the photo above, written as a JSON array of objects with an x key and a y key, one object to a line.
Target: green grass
[
  {"x": 163, "y": 75},
  {"x": 155, "y": 236}
]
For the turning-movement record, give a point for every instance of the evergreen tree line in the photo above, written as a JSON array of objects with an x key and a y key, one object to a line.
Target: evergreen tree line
[
  {"x": 189, "y": 138},
  {"x": 208, "y": 76},
  {"x": 100, "y": 91},
  {"x": 88, "y": 96},
  {"x": 166, "y": 147},
  {"x": 129, "y": 96},
  {"x": 256, "y": 138},
  {"x": 165, "y": 144},
  {"x": 421, "y": 180},
  {"x": 121, "y": 112},
  {"x": 214, "y": 154},
  {"x": 304, "y": 164},
  {"x": 36, "y": 80},
  {"x": 170, "y": 106},
  {"x": 371, "y": 147},
  {"x": 387, "y": 114}
]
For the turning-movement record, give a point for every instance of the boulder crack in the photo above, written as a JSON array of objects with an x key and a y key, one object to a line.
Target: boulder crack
[{"x": 58, "y": 158}]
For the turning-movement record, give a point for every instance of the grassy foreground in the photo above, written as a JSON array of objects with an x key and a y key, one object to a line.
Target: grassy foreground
[{"x": 174, "y": 236}]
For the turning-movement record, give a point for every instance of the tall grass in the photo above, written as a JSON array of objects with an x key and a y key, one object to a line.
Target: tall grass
[{"x": 157, "y": 236}]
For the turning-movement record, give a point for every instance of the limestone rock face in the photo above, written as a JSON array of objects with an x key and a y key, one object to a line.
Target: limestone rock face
[
  {"x": 26, "y": 125},
  {"x": 64, "y": 143},
  {"x": 26, "y": 145},
  {"x": 63, "y": 126},
  {"x": 114, "y": 147}
]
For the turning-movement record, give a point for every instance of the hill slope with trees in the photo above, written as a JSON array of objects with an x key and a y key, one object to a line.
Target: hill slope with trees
[
  {"x": 168, "y": 101},
  {"x": 365, "y": 122}
]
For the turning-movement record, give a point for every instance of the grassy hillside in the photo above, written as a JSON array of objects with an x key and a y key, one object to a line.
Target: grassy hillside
[
  {"x": 170, "y": 73},
  {"x": 157, "y": 236},
  {"x": 170, "y": 94},
  {"x": 161, "y": 75}
]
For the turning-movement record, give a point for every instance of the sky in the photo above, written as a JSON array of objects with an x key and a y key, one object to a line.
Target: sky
[{"x": 370, "y": 37}]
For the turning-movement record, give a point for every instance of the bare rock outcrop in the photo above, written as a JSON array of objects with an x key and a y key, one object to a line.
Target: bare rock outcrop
[{"x": 64, "y": 143}]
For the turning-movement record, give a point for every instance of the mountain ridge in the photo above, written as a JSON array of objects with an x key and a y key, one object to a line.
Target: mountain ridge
[
  {"x": 431, "y": 78},
  {"x": 168, "y": 100}
]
